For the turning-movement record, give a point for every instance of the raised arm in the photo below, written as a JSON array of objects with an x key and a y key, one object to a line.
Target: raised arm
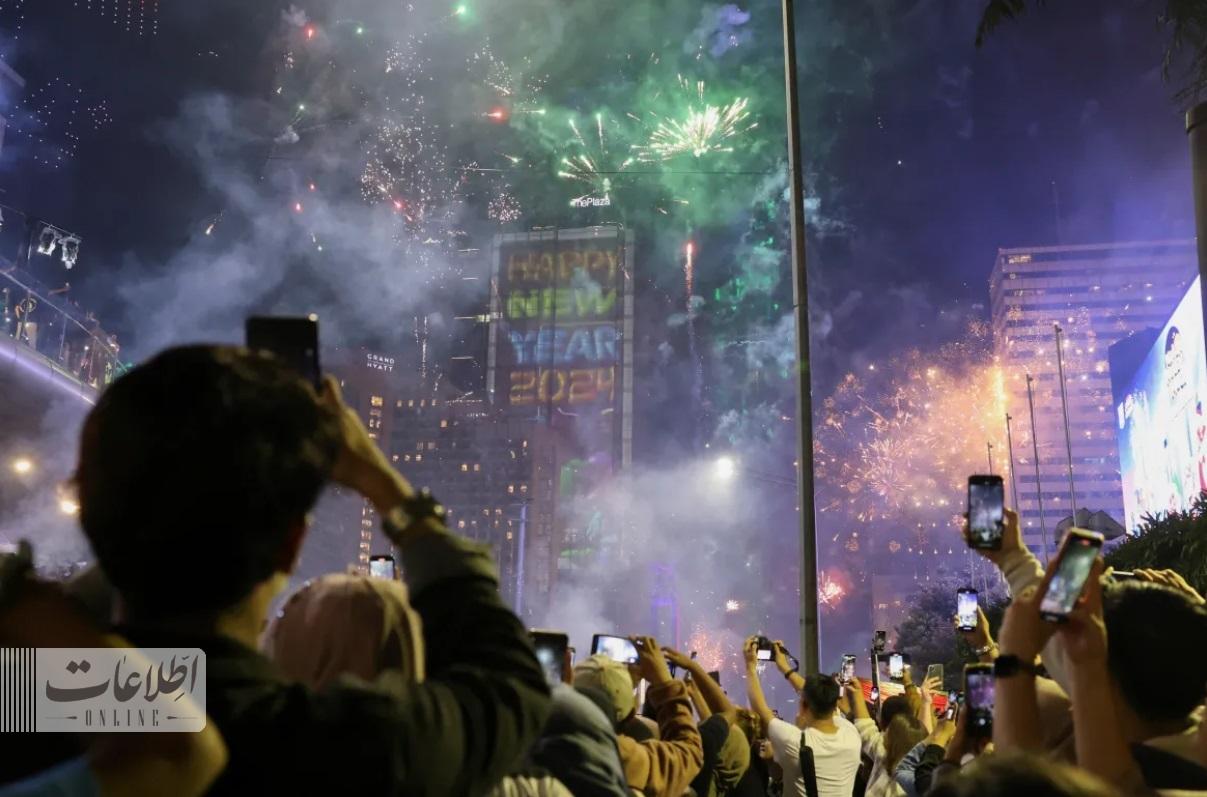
[
  {"x": 754, "y": 689},
  {"x": 714, "y": 697},
  {"x": 1016, "y": 723},
  {"x": 1101, "y": 747},
  {"x": 785, "y": 667}
]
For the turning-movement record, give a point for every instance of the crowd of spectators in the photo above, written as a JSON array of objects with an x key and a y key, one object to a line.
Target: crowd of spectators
[{"x": 430, "y": 685}]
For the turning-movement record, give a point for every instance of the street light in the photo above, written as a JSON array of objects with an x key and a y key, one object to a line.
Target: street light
[
  {"x": 725, "y": 469},
  {"x": 68, "y": 506},
  {"x": 23, "y": 466}
]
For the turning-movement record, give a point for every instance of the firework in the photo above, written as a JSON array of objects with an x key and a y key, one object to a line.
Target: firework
[
  {"x": 593, "y": 163},
  {"x": 895, "y": 445},
  {"x": 703, "y": 128}
]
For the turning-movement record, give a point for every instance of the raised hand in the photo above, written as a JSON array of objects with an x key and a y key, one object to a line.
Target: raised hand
[{"x": 650, "y": 661}]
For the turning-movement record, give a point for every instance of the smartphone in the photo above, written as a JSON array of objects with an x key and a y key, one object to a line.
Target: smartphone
[
  {"x": 551, "y": 647},
  {"x": 766, "y": 650},
  {"x": 847, "y": 673},
  {"x": 935, "y": 671},
  {"x": 978, "y": 699},
  {"x": 896, "y": 666},
  {"x": 986, "y": 508},
  {"x": 295, "y": 341},
  {"x": 616, "y": 648},
  {"x": 716, "y": 676},
  {"x": 1073, "y": 564},
  {"x": 875, "y": 694},
  {"x": 879, "y": 641},
  {"x": 382, "y": 566},
  {"x": 966, "y": 608},
  {"x": 953, "y": 706}
]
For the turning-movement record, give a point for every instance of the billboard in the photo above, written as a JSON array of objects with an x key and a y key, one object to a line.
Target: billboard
[
  {"x": 561, "y": 338},
  {"x": 1160, "y": 392},
  {"x": 560, "y": 358}
]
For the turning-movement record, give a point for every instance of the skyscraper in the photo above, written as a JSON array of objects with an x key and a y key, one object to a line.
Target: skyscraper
[{"x": 1097, "y": 294}]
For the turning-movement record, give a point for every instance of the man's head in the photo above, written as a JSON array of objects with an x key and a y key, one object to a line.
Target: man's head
[
  {"x": 196, "y": 472},
  {"x": 1155, "y": 653},
  {"x": 819, "y": 698}
]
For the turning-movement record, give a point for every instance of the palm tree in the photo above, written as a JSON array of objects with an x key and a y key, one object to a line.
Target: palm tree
[{"x": 1185, "y": 60}]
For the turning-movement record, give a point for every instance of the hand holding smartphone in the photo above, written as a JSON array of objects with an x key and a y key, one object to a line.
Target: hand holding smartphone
[
  {"x": 986, "y": 512},
  {"x": 383, "y": 566},
  {"x": 979, "y": 700},
  {"x": 294, "y": 341},
  {"x": 847, "y": 673},
  {"x": 1069, "y": 574},
  {"x": 617, "y": 648},
  {"x": 966, "y": 609},
  {"x": 551, "y": 648}
]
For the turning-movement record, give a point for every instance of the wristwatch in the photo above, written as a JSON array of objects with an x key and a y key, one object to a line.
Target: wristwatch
[
  {"x": 411, "y": 512},
  {"x": 1008, "y": 665}
]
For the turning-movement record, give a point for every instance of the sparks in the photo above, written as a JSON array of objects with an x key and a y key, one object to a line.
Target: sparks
[{"x": 704, "y": 128}]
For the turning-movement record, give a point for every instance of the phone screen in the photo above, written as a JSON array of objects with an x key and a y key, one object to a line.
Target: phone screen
[
  {"x": 953, "y": 706},
  {"x": 986, "y": 501},
  {"x": 1076, "y": 560},
  {"x": 875, "y": 694},
  {"x": 295, "y": 341},
  {"x": 551, "y": 653},
  {"x": 382, "y": 567},
  {"x": 896, "y": 666},
  {"x": 617, "y": 648},
  {"x": 978, "y": 696},
  {"x": 880, "y": 640},
  {"x": 966, "y": 609},
  {"x": 848, "y": 668}
]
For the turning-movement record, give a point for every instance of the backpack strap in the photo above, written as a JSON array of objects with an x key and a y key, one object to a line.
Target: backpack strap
[{"x": 808, "y": 770}]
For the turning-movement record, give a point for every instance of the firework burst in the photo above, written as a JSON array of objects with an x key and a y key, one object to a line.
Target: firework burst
[
  {"x": 593, "y": 163},
  {"x": 702, "y": 129}
]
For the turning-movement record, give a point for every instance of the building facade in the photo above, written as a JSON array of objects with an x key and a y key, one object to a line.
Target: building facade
[{"x": 1097, "y": 294}]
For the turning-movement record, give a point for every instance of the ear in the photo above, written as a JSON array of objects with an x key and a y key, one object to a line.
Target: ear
[{"x": 292, "y": 547}]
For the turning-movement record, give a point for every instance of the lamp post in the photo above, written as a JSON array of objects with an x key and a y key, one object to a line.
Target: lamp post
[{"x": 810, "y": 637}]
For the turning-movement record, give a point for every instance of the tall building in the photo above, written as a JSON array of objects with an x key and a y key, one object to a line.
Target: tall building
[{"x": 1098, "y": 294}]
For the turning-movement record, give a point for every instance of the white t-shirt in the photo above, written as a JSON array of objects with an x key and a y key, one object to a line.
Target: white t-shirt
[{"x": 835, "y": 757}]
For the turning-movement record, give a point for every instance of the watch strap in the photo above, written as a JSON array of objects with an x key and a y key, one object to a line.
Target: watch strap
[{"x": 1008, "y": 665}]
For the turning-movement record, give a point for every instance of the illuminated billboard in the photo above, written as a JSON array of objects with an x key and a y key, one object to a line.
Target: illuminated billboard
[
  {"x": 1160, "y": 391},
  {"x": 560, "y": 359}
]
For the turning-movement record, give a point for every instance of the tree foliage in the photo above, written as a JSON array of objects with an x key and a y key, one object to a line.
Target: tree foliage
[
  {"x": 1185, "y": 62},
  {"x": 1174, "y": 541}
]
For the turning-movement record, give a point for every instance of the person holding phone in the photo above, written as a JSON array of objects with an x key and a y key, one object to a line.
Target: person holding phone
[
  {"x": 651, "y": 766},
  {"x": 221, "y": 452}
]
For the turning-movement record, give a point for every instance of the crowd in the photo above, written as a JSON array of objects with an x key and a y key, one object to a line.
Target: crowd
[{"x": 214, "y": 456}]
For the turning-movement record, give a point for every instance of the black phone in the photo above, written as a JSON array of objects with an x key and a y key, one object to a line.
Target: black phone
[
  {"x": 978, "y": 699},
  {"x": 986, "y": 512},
  {"x": 616, "y": 648},
  {"x": 847, "y": 673},
  {"x": 551, "y": 647},
  {"x": 1074, "y": 562},
  {"x": 383, "y": 566},
  {"x": 880, "y": 641},
  {"x": 715, "y": 675},
  {"x": 295, "y": 341},
  {"x": 766, "y": 651},
  {"x": 966, "y": 608}
]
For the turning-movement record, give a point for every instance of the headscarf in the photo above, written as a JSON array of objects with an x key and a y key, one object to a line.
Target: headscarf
[{"x": 347, "y": 625}]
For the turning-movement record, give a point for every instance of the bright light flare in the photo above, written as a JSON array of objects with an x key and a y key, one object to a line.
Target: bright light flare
[
  {"x": 733, "y": 605},
  {"x": 69, "y": 506},
  {"x": 725, "y": 469},
  {"x": 704, "y": 129},
  {"x": 310, "y": 32},
  {"x": 23, "y": 466}
]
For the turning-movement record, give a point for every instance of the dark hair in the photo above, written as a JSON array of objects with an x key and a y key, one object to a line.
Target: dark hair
[
  {"x": 897, "y": 704},
  {"x": 1011, "y": 773},
  {"x": 1170, "y": 337},
  {"x": 1155, "y": 636},
  {"x": 194, "y": 468},
  {"x": 820, "y": 694}
]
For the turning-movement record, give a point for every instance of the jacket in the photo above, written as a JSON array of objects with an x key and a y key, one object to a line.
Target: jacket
[
  {"x": 458, "y": 732},
  {"x": 664, "y": 767}
]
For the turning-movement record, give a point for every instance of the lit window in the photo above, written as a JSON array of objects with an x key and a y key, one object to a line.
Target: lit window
[
  {"x": 419, "y": 446},
  {"x": 498, "y": 511},
  {"x": 464, "y": 468},
  {"x": 406, "y": 458},
  {"x": 509, "y": 535},
  {"x": 460, "y": 524},
  {"x": 511, "y": 489},
  {"x": 372, "y": 435},
  {"x": 523, "y": 488},
  {"x": 422, "y": 402},
  {"x": 431, "y": 446},
  {"x": 433, "y": 402},
  {"x": 485, "y": 513},
  {"x": 411, "y": 403},
  {"x": 399, "y": 404},
  {"x": 376, "y": 401},
  {"x": 394, "y": 458},
  {"x": 444, "y": 424},
  {"x": 419, "y": 457},
  {"x": 477, "y": 467}
]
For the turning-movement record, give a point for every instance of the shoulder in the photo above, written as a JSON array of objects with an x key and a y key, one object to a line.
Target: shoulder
[{"x": 783, "y": 734}]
